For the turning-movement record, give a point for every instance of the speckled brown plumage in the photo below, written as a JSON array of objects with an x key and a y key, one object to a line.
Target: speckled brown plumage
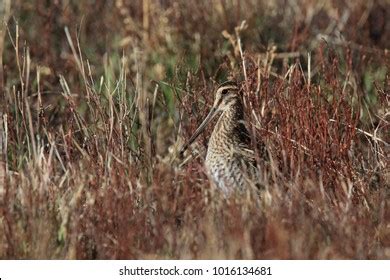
[{"x": 229, "y": 161}]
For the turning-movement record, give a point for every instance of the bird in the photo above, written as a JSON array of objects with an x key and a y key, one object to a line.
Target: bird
[{"x": 229, "y": 160}]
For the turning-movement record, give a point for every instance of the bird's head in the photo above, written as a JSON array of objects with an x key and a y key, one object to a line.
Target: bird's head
[{"x": 226, "y": 96}]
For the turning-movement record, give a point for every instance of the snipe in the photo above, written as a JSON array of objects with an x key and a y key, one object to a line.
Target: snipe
[{"x": 229, "y": 161}]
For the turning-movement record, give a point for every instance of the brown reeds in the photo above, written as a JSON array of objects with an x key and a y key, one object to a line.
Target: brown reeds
[{"x": 97, "y": 98}]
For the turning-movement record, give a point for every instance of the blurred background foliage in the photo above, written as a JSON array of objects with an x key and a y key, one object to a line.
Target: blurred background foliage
[
  {"x": 170, "y": 40},
  {"x": 98, "y": 95}
]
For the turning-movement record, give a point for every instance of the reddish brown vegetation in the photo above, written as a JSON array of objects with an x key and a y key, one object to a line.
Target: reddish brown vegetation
[{"x": 90, "y": 158}]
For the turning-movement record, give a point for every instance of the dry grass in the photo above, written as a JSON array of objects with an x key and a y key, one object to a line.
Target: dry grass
[{"x": 98, "y": 95}]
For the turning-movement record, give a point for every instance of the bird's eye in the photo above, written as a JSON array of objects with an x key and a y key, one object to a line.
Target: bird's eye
[{"x": 224, "y": 91}]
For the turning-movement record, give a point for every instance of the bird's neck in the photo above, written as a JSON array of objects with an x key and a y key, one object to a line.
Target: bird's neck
[{"x": 231, "y": 119}]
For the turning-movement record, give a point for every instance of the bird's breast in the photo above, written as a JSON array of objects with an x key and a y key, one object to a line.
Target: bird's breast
[{"x": 225, "y": 168}]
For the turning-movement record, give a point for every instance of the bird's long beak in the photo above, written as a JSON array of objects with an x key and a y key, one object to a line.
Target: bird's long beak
[{"x": 213, "y": 112}]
